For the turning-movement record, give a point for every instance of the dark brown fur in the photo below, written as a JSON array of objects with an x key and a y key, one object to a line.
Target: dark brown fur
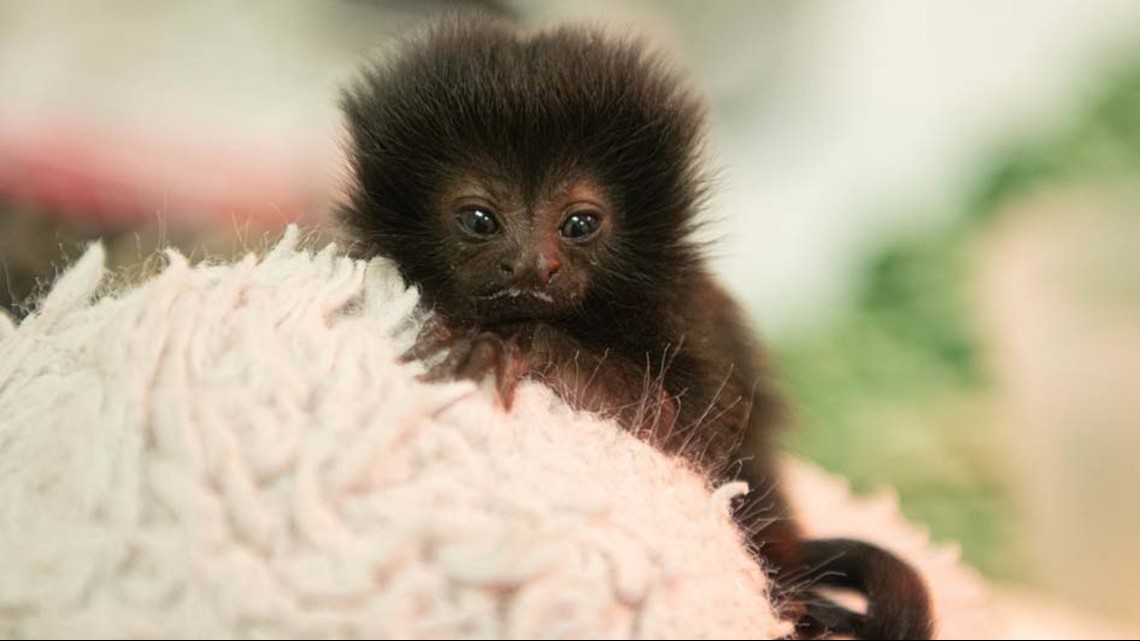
[{"x": 477, "y": 121}]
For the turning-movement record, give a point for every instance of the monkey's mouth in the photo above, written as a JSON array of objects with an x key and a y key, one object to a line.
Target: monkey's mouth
[
  {"x": 513, "y": 304},
  {"x": 516, "y": 292}
]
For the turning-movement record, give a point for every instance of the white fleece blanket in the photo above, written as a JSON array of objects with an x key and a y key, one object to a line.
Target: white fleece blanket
[{"x": 232, "y": 451}]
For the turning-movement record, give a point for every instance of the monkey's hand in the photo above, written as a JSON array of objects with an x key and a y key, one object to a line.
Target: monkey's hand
[{"x": 470, "y": 354}]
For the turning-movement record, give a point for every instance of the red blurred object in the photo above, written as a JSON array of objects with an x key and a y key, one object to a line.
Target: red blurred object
[{"x": 107, "y": 178}]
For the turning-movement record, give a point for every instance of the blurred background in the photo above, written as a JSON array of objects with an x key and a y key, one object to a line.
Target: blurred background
[{"x": 931, "y": 209}]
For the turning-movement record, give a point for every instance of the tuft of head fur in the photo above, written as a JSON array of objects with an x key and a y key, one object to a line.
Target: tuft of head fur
[{"x": 483, "y": 96}]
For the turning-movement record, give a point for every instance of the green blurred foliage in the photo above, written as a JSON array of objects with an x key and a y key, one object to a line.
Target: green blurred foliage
[
  {"x": 894, "y": 392},
  {"x": 1102, "y": 144}
]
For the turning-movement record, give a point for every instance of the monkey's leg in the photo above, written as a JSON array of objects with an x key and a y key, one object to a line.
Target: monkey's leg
[
  {"x": 765, "y": 516},
  {"x": 795, "y": 567},
  {"x": 898, "y": 605}
]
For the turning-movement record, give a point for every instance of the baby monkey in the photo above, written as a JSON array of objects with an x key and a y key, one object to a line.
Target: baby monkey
[{"x": 541, "y": 191}]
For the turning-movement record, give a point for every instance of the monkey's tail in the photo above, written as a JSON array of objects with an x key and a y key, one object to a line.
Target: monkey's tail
[{"x": 898, "y": 604}]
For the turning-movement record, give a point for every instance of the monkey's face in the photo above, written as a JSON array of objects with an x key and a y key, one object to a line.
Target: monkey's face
[
  {"x": 516, "y": 255},
  {"x": 510, "y": 176}
]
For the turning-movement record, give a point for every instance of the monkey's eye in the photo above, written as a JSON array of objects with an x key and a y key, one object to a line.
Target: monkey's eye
[
  {"x": 478, "y": 221},
  {"x": 580, "y": 226}
]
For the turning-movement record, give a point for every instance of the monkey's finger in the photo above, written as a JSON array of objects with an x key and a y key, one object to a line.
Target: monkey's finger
[
  {"x": 433, "y": 338},
  {"x": 512, "y": 367},
  {"x": 485, "y": 354},
  {"x": 446, "y": 370}
]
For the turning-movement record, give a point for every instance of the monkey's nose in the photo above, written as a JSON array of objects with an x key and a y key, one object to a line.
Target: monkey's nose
[{"x": 547, "y": 269}]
